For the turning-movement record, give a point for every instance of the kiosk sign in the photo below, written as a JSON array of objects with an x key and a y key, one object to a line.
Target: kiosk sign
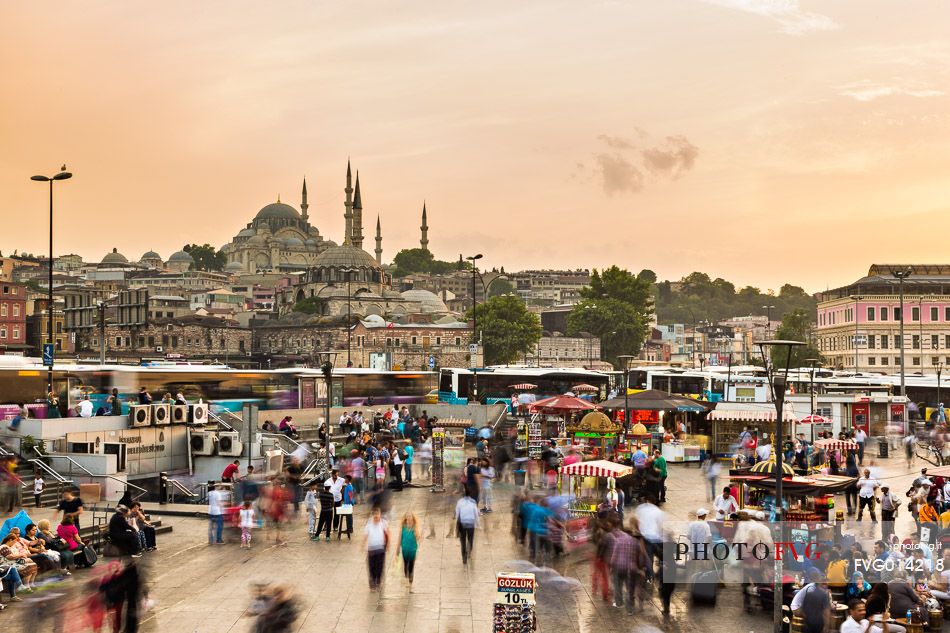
[{"x": 515, "y": 588}]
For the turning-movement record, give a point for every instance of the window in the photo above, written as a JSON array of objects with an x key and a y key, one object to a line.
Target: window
[
  {"x": 141, "y": 341},
  {"x": 934, "y": 341},
  {"x": 128, "y": 341},
  {"x": 151, "y": 341},
  {"x": 884, "y": 314},
  {"x": 871, "y": 341},
  {"x": 241, "y": 344},
  {"x": 389, "y": 343},
  {"x": 915, "y": 313},
  {"x": 870, "y": 314},
  {"x": 221, "y": 345},
  {"x": 59, "y": 327},
  {"x": 59, "y": 345},
  {"x": 118, "y": 343},
  {"x": 897, "y": 341},
  {"x": 438, "y": 340},
  {"x": 414, "y": 343},
  {"x": 915, "y": 361},
  {"x": 934, "y": 314},
  {"x": 897, "y": 360},
  {"x": 458, "y": 340},
  {"x": 3, "y": 309},
  {"x": 897, "y": 314},
  {"x": 165, "y": 340},
  {"x": 884, "y": 360},
  {"x": 871, "y": 361},
  {"x": 174, "y": 341},
  {"x": 915, "y": 341},
  {"x": 884, "y": 340},
  {"x": 946, "y": 341},
  {"x": 946, "y": 313},
  {"x": 397, "y": 341},
  {"x": 16, "y": 309},
  {"x": 3, "y": 333}
]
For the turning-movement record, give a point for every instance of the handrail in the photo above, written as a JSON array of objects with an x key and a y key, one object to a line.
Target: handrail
[
  {"x": 217, "y": 418},
  {"x": 49, "y": 469},
  {"x": 279, "y": 437},
  {"x": 142, "y": 491},
  {"x": 181, "y": 487}
]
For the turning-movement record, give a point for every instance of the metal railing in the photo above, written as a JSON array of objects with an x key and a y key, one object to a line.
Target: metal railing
[
  {"x": 220, "y": 420},
  {"x": 89, "y": 473},
  {"x": 49, "y": 470},
  {"x": 175, "y": 485},
  {"x": 280, "y": 437}
]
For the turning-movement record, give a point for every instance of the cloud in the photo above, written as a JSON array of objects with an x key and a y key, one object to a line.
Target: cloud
[
  {"x": 869, "y": 91},
  {"x": 623, "y": 166},
  {"x": 619, "y": 174},
  {"x": 791, "y": 18},
  {"x": 675, "y": 156}
]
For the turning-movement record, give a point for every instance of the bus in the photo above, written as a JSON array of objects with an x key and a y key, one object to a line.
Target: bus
[{"x": 496, "y": 383}]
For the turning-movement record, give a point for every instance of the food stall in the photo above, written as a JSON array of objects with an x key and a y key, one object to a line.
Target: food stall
[
  {"x": 596, "y": 433},
  {"x": 730, "y": 419},
  {"x": 454, "y": 441},
  {"x": 654, "y": 410},
  {"x": 587, "y": 483},
  {"x": 837, "y": 448},
  {"x": 557, "y": 411}
]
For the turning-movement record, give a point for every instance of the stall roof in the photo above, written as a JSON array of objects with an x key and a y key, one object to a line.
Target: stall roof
[
  {"x": 597, "y": 468},
  {"x": 751, "y": 412},
  {"x": 796, "y": 486},
  {"x": 836, "y": 445}
]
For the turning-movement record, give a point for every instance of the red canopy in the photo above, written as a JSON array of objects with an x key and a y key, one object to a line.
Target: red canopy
[
  {"x": 584, "y": 388},
  {"x": 813, "y": 419},
  {"x": 831, "y": 444},
  {"x": 561, "y": 404}
]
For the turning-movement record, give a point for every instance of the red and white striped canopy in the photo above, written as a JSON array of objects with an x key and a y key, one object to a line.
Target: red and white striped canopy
[
  {"x": 751, "y": 412},
  {"x": 814, "y": 419},
  {"x": 597, "y": 468},
  {"x": 836, "y": 445},
  {"x": 523, "y": 386},
  {"x": 584, "y": 388}
]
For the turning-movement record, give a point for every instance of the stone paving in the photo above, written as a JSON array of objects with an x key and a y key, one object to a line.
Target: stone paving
[{"x": 207, "y": 589}]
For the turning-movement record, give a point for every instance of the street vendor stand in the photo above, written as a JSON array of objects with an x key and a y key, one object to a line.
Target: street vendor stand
[
  {"x": 660, "y": 409},
  {"x": 730, "y": 419},
  {"x": 562, "y": 408},
  {"x": 587, "y": 483},
  {"x": 596, "y": 433},
  {"x": 839, "y": 448},
  {"x": 454, "y": 441}
]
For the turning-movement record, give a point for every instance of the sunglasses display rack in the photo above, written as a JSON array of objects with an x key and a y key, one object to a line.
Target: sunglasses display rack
[{"x": 514, "y": 618}]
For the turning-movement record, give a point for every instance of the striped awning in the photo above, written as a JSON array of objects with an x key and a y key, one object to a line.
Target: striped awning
[
  {"x": 751, "y": 412},
  {"x": 523, "y": 386},
  {"x": 597, "y": 468},
  {"x": 836, "y": 445}
]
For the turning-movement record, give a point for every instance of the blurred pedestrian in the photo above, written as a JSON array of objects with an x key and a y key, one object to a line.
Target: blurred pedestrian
[
  {"x": 279, "y": 614},
  {"x": 466, "y": 520},
  {"x": 409, "y": 537},
  {"x": 376, "y": 538}
]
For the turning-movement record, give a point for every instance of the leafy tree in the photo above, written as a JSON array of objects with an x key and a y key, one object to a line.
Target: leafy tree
[
  {"x": 647, "y": 275},
  {"x": 615, "y": 307},
  {"x": 796, "y": 326},
  {"x": 500, "y": 287},
  {"x": 310, "y": 305},
  {"x": 206, "y": 258},
  {"x": 416, "y": 260},
  {"x": 506, "y": 328}
]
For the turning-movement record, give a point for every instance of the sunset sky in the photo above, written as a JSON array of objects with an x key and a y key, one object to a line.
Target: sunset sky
[{"x": 764, "y": 141}]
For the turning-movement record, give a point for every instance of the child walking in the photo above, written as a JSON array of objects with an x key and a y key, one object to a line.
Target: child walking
[{"x": 247, "y": 522}]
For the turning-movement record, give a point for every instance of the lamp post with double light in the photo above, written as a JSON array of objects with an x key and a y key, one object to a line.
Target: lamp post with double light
[
  {"x": 779, "y": 383},
  {"x": 473, "y": 259},
  {"x": 625, "y": 365},
  {"x": 62, "y": 175},
  {"x": 813, "y": 364},
  {"x": 349, "y": 319},
  {"x": 856, "y": 298}
]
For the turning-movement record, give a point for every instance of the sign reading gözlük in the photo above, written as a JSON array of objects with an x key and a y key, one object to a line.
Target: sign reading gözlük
[{"x": 148, "y": 450}]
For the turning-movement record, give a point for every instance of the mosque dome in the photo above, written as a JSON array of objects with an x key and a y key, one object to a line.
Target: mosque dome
[
  {"x": 293, "y": 242},
  {"x": 247, "y": 233},
  {"x": 181, "y": 256},
  {"x": 345, "y": 256},
  {"x": 234, "y": 267},
  {"x": 115, "y": 257},
  {"x": 150, "y": 255},
  {"x": 429, "y": 300},
  {"x": 277, "y": 211},
  {"x": 374, "y": 319}
]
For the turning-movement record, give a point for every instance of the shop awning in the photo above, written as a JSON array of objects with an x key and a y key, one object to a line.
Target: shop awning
[
  {"x": 655, "y": 400},
  {"x": 836, "y": 445},
  {"x": 561, "y": 404},
  {"x": 751, "y": 412},
  {"x": 523, "y": 386},
  {"x": 796, "y": 486},
  {"x": 597, "y": 468}
]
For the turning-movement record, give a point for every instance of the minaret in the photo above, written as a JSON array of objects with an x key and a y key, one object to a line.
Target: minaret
[
  {"x": 424, "y": 242},
  {"x": 379, "y": 243},
  {"x": 348, "y": 213},
  {"x": 357, "y": 239},
  {"x": 303, "y": 203}
]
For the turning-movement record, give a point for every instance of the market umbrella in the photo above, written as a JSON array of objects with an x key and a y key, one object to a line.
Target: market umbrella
[
  {"x": 561, "y": 404},
  {"x": 523, "y": 386},
  {"x": 770, "y": 467},
  {"x": 830, "y": 444},
  {"x": 656, "y": 400},
  {"x": 584, "y": 388},
  {"x": 813, "y": 419}
]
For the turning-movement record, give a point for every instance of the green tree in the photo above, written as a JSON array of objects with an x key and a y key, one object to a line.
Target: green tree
[
  {"x": 310, "y": 305},
  {"x": 499, "y": 287},
  {"x": 615, "y": 307},
  {"x": 506, "y": 328},
  {"x": 416, "y": 260},
  {"x": 206, "y": 258},
  {"x": 647, "y": 275},
  {"x": 797, "y": 325}
]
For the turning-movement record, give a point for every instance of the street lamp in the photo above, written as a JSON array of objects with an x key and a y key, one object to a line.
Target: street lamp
[
  {"x": 473, "y": 259},
  {"x": 346, "y": 271},
  {"x": 625, "y": 364},
  {"x": 62, "y": 175},
  {"x": 813, "y": 363},
  {"x": 778, "y": 383},
  {"x": 901, "y": 275},
  {"x": 938, "y": 367},
  {"x": 326, "y": 366},
  {"x": 856, "y": 298},
  {"x": 768, "y": 321}
]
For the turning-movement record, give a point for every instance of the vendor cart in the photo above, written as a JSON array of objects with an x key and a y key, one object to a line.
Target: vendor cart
[{"x": 587, "y": 483}]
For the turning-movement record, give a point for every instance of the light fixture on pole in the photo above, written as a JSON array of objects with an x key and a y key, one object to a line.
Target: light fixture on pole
[
  {"x": 779, "y": 383},
  {"x": 938, "y": 367},
  {"x": 625, "y": 364},
  {"x": 326, "y": 366},
  {"x": 901, "y": 275},
  {"x": 62, "y": 175},
  {"x": 813, "y": 364},
  {"x": 473, "y": 259},
  {"x": 856, "y": 298},
  {"x": 768, "y": 321}
]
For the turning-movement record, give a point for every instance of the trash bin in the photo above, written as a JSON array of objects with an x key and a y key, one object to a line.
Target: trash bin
[
  {"x": 519, "y": 477},
  {"x": 881, "y": 447}
]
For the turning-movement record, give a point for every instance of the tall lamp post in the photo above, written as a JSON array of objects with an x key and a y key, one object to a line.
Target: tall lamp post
[
  {"x": 62, "y": 175},
  {"x": 473, "y": 259},
  {"x": 326, "y": 366},
  {"x": 349, "y": 318},
  {"x": 856, "y": 298},
  {"x": 813, "y": 364},
  {"x": 779, "y": 383},
  {"x": 901, "y": 275},
  {"x": 625, "y": 364},
  {"x": 768, "y": 321}
]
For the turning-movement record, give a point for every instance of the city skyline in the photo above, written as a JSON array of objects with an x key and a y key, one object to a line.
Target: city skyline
[{"x": 734, "y": 137}]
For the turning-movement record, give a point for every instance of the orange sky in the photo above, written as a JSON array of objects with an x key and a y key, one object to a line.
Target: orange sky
[{"x": 763, "y": 141}]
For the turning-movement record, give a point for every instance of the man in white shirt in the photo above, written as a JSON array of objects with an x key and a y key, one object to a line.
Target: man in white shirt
[
  {"x": 85, "y": 407},
  {"x": 725, "y": 505},
  {"x": 698, "y": 531},
  {"x": 867, "y": 487},
  {"x": 860, "y": 437},
  {"x": 856, "y": 623},
  {"x": 763, "y": 452},
  {"x": 217, "y": 501},
  {"x": 466, "y": 520},
  {"x": 335, "y": 483}
]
